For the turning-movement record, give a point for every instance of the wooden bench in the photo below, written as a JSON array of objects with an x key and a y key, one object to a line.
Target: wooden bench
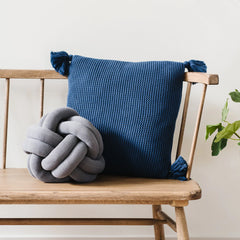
[{"x": 18, "y": 187}]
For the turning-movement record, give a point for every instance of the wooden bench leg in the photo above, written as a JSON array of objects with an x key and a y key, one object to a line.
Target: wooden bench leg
[
  {"x": 158, "y": 227},
  {"x": 182, "y": 230}
]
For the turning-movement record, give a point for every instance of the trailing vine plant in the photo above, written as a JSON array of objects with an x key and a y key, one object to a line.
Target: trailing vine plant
[{"x": 224, "y": 130}]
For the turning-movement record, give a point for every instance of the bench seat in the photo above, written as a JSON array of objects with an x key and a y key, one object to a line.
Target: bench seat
[{"x": 17, "y": 186}]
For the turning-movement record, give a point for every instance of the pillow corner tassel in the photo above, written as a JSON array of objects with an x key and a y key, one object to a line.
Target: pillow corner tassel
[
  {"x": 195, "y": 66},
  {"x": 178, "y": 169},
  {"x": 61, "y": 62}
]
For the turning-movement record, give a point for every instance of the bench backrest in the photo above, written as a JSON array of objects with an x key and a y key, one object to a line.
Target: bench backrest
[{"x": 190, "y": 78}]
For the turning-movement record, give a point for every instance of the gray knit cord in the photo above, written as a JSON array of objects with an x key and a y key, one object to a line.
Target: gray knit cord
[{"x": 64, "y": 147}]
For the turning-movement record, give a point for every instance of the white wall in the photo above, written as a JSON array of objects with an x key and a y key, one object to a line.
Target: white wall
[{"x": 127, "y": 30}]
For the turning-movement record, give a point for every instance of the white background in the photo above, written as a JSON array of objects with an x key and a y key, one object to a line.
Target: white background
[{"x": 131, "y": 30}]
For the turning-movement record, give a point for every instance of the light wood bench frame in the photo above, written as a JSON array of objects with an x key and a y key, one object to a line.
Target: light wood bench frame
[{"x": 107, "y": 189}]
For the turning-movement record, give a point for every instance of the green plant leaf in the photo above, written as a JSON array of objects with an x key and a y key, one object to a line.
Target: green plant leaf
[
  {"x": 228, "y": 131},
  {"x": 235, "y": 95},
  {"x": 210, "y": 129},
  {"x": 218, "y": 146},
  {"x": 225, "y": 111},
  {"x": 238, "y": 143}
]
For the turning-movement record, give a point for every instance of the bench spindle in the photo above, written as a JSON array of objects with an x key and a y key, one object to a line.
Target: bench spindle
[
  {"x": 42, "y": 96},
  {"x": 196, "y": 130},
  {"x": 184, "y": 117},
  {"x": 5, "y": 129}
]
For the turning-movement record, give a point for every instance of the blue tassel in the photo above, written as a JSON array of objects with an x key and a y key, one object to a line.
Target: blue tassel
[
  {"x": 195, "y": 66},
  {"x": 61, "y": 62},
  {"x": 178, "y": 169}
]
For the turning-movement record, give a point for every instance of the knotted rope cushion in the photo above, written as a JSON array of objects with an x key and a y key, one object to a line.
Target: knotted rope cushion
[{"x": 64, "y": 147}]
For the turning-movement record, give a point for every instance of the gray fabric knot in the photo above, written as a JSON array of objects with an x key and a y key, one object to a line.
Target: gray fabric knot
[{"x": 64, "y": 147}]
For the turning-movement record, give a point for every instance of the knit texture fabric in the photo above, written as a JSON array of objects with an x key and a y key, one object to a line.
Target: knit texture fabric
[{"x": 134, "y": 105}]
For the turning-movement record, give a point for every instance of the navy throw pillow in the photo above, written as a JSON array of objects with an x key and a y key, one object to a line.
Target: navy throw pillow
[{"x": 134, "y": 105}]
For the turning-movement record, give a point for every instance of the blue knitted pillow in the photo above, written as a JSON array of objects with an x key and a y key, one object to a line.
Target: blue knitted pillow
[{"x": 134, "y": 105}]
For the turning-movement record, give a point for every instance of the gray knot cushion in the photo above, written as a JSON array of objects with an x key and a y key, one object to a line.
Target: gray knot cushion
[{"x": 64, "y": 147}]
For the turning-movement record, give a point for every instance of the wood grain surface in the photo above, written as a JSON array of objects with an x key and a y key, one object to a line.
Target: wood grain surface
[{"x": 19, "y": 187}]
